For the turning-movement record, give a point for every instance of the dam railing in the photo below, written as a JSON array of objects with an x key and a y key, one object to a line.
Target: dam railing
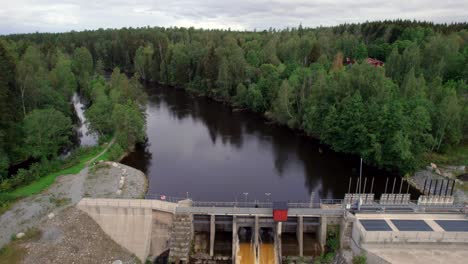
[{"x": 374, "y": 206}]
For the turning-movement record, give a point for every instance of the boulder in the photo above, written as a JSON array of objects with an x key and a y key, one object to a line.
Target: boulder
[
  {"x": 51, "y": 215},
  {"x": 20, "y": 235},
  {"x": 433, "y": 165}
]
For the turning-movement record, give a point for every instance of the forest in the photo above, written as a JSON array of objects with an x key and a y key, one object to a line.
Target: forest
[{"x": 317, "y": 80}]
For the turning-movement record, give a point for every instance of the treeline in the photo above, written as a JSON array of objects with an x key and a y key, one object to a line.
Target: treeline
[
  {"x": 36, "y": 111},
  {"x": 317, "y": 80}
]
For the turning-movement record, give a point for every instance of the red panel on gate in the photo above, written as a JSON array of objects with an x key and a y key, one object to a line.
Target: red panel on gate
[{"x": 280, "y": 215}]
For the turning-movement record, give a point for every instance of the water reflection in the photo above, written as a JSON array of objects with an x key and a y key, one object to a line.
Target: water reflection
[{"x": 202, "y": 147}]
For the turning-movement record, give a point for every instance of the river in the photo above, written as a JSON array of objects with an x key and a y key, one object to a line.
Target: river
[
  {"x": 203, "y": 149},
  {"x": 83, "y": 137}
]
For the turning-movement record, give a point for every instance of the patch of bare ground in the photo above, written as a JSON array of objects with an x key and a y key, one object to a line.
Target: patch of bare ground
[{"x": 73, "y": 237}]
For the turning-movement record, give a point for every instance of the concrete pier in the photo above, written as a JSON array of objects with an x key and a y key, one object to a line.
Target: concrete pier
[
  {"x": 212, "y": 234},
  {"x": 256, "y": 232},
  {"x": 235, "y": 239},
  {"x": 322, "y": 232},
  {"x": 300, "y": 234}
]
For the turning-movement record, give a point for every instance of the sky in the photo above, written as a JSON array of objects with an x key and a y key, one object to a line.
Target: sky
[{"x": 24, "y": 16}]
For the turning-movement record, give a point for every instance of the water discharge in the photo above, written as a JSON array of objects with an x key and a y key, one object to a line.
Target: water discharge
[
  {"x": 267, "y": 253},
  {"x": 246, "y": 254}
]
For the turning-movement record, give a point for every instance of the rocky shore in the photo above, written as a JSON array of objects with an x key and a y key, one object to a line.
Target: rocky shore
[{"x": 435, "y": 172}]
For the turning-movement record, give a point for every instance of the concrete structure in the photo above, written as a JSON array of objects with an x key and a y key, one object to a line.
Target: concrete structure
[
  {"x": 150, "y": 227},
  {"x": 128, "y": 222},
  {"x": 145, "y": 227},
  {"x": 396, "y": 246}
]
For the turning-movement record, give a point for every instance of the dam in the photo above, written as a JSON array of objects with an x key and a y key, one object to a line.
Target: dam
[{"x": 187, "y": 231}]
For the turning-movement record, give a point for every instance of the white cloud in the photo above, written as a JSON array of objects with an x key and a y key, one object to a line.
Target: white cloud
[{"x": 65, "y": 15}]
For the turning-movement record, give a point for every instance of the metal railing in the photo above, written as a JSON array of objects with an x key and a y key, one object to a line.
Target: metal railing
[{"x": 374, "y": 206}]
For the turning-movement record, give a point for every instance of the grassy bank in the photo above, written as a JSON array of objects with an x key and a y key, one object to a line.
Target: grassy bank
[{"x": 73, "y": 165}]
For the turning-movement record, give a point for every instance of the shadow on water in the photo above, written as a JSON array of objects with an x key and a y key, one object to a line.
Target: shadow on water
[{"x": 202, "y": 147}]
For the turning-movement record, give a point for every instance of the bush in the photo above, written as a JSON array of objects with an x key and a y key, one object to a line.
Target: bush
[
  {"x": 361, "y": 259},
  {"x": 115, "y": 152}
]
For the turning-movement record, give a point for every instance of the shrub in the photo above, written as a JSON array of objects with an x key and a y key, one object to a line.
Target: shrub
[
  {"x": 115, "y": 152},
  {"x": 360, "y": 259}
]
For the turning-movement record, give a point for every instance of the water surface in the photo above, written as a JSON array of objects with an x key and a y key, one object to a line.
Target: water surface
[{"x": 204, "y": 149}]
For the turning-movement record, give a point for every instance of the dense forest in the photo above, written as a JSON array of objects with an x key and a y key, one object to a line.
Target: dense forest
[
  {"x": 36, "y": 121},
  {"x": 317, "y": 80}
]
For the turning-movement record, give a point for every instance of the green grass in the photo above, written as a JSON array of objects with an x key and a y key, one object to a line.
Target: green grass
[
  {"x": 44, "y": 182},
  {"x": 104, "y": 156}
]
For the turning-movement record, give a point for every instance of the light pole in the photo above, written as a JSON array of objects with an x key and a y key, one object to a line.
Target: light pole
[
  {"x": 268, "y": 196},
  {"x": 360, "y": 177},
  {"x": 246, "y": 193}
]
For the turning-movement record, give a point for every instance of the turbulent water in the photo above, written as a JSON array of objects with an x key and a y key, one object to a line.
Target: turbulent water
[
  {"x": 246, "y": 254},
  {"x": 84, "y": 137},
  {"x": 203, "y": 149}
]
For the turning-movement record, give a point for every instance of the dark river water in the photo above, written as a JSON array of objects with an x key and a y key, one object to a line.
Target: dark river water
[{"x": 201, "y": 147}]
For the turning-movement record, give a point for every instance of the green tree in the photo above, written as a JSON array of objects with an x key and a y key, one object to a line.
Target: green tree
[
  {"x": 30, "y": 72},
  {"x": 144, "y": 61},
  {"x": 82, "y": 66},
  {"x": 62, "y": 77},
  {"x": 129, "y": 124},
  {"x": 46, "y": 131}
]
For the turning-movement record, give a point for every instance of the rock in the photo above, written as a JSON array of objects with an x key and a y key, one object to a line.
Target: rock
[
  {"x": 122, "y": 178},
  {"x": 121, "y": 184},
  {"x": 51, "y": 215},
  {"x": 438, "y": 171},
  {"x": 447, "y": 174},
  {"x": 117, "y": 262},
  {"x": 114, "y": 164},
  {"x": 433, "y": 165},
  {"x": 20, "y": 235},
  {"x": 124, "y": 171}
]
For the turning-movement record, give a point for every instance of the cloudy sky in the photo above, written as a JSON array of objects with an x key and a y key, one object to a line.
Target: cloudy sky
[{"x": 19, "y": 16}]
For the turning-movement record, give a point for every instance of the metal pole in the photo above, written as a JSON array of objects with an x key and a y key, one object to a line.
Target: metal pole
[
  {"x": 365, "y": 183},
  {"x": 453, "y": 186},
  {"x": 424, "y": 190},
  {"x": 394, "y": 181},
  {"x": 429, "y": 190},
  {"x": 360, "y": 177},
  {"x": 372, "y": 185},
  {"x": 349, "y": 185},
  {"x": 407, "y": 189},
  {"x": 447, "y": 187},
  {"x": 386, "y": 185},
  {"x": 435, "y": 187},
  {"x": 441, "y": 185},
  {"x": 357, "y": 186},
  {"x": 401, "y": 185}
]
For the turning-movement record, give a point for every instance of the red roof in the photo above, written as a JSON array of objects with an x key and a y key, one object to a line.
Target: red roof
[{"x": 374, "y": 62}]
